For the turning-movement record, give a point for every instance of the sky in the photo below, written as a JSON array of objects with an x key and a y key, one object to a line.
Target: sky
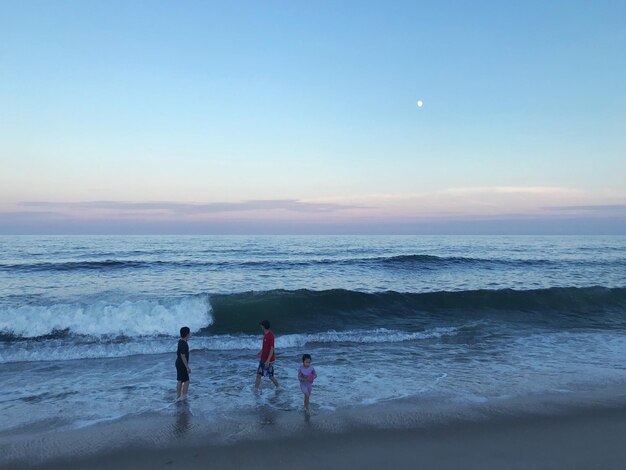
[{"x": 301, "y": 117}]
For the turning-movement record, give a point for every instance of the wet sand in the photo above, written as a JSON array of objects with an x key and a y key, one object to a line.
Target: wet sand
[{"x": 590, "y": 438}]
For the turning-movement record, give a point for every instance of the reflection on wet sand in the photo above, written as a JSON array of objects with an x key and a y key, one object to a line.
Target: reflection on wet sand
[
  {"x": 267, "y": 415},
  {"x": 183, "y": 418}
]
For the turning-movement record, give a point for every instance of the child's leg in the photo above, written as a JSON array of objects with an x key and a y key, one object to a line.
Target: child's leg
[
  {"x": 257, "y": 383},
  {"x": 179, "y": 386},
  {"x": 274, "y": 381},
  {"x": 185, "y": 388},
  {"x": 306, "y": 401}
]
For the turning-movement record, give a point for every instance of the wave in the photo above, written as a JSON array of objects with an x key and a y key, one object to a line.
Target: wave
[
  {"x": 307, "y": 312},
  {"x": 77, "y": 265},
  {"x": 430, "y": 259},
  {"x": 57, "y": 349},
  {"x": 127, "y": 318},
  {"x": 413, "y": 261}
]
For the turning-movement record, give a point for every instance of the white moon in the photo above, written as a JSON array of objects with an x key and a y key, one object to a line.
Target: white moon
[{"x": 420, "y": 104}]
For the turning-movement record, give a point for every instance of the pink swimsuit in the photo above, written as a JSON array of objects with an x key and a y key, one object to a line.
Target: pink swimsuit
[{"x": 306, "y": 376}]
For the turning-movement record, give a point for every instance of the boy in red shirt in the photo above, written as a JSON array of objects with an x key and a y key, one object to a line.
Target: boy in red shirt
[{"x": 266, "y": 356}]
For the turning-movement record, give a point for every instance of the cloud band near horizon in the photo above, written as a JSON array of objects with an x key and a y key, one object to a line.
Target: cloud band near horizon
[{"x": 481, "y": 210}]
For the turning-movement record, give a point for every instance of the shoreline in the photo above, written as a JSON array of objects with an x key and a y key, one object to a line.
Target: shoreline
[{"x": 578, "y": 435}]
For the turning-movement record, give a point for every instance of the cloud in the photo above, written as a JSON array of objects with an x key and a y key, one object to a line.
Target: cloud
[
  {"x": 461, "y": 210},
  {"x": 44, "y": 224},
  {"x": 178, "y": 208},
  {"x": 534, "y": 190},
  {"x": 617, "y": 209},
  {"x": 28, "y": 215}
]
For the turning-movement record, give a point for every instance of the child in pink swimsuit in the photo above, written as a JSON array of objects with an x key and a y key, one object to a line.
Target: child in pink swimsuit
[{"x": 306, "y": 376}]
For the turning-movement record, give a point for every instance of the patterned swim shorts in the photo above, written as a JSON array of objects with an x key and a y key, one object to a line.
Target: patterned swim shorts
[{"x": 265, "y": 371}]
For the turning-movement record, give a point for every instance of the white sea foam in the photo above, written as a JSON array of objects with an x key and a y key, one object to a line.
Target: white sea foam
[
  {"x": 69, "y": 349},
  {"x": 379, "y": 335},
  {"x": 128, "y": 318}
]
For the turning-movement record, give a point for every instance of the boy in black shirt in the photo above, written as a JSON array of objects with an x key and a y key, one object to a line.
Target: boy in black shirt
[{"x": 182, "y": 363}]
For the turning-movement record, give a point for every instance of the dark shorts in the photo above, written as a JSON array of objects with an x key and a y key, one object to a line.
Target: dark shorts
[
  {"x": 181, "y": 373},
  {"x": 265, "y": 371}
]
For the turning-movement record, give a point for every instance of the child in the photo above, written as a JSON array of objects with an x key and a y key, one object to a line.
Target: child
[
  {"x": 182, "y": 363},
  {"x": 306, "y": 376},
  {"x": 267, "y": 356}
]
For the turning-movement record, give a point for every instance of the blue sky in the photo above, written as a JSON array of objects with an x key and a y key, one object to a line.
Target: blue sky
[{"x": 301, "y": 117}]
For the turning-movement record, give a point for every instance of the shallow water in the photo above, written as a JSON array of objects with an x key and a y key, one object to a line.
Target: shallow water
[{"x": 88, "y": 324}]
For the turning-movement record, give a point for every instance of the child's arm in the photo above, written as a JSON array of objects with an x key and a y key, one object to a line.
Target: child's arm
[
  {"x": 269, "y": 357},
  {"x": 184, "y": 359}
]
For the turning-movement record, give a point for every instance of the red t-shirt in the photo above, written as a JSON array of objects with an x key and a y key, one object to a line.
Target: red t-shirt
[{"x": 268, "y": 343}]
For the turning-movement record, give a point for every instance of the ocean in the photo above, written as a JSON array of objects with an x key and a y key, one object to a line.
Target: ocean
[{"x": 89, "y": 325}]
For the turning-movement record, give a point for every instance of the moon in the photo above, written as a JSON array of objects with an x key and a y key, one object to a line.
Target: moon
[{"x": 420, "y": 103}]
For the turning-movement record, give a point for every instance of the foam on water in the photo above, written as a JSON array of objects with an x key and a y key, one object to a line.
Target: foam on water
[
  {"x": 128, "y": 318},
  {"x": 61, "y": 349},
  {"x": 306, "y": 312},
  {"x": 355, "y": 368}
]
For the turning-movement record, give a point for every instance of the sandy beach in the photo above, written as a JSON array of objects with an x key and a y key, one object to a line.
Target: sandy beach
[{"x": 577, "y": 438}]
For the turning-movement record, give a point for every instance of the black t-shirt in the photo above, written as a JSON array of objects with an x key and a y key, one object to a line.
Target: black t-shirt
[{"x": 183, "y": 348}]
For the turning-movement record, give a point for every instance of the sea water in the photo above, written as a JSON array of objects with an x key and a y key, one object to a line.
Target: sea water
[{"x": 89, "y": 325}]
